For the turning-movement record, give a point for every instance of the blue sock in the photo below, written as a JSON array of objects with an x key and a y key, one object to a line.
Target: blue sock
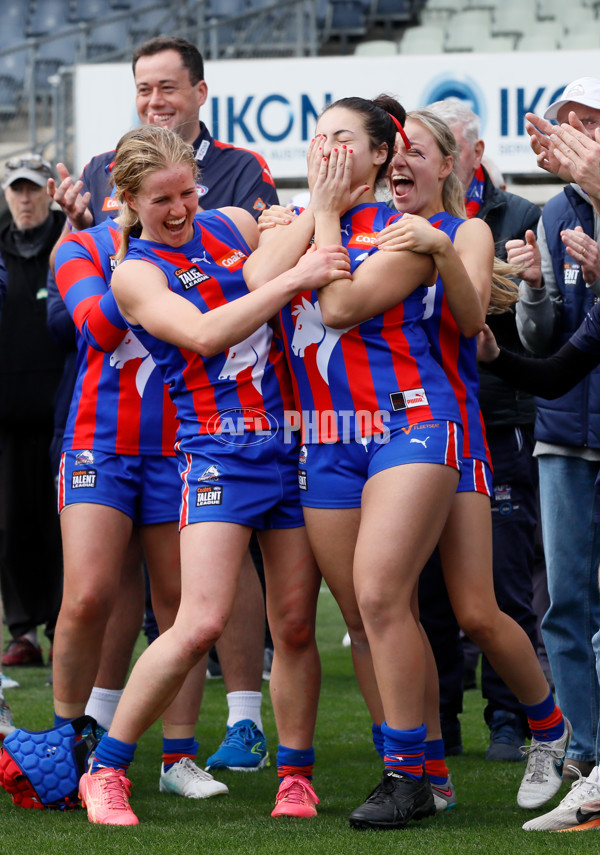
[
  {"x": 175, "y": 749},
  {"x": 59, "y": 720},
  {"x": 435, "y": 762},
  {"x": 377, "y": 739},
  {"x": 545, "y": 720},
  {"x": 113, "y": 754},
  {"x": 295, "y": 761},
  {"x": 405, "y": 750}
]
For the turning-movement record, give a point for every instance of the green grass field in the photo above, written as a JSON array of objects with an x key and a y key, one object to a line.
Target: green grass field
[{"x": 486, "y": 820}]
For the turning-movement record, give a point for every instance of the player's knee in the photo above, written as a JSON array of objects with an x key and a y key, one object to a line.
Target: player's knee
[
  {"x": 294, "y": 632},
  {"x": 375, "y": 609},
  {"x": 87, "y": 607},
  {"x": 195, "y": 641},
  {"x": 476, "y": 627}
]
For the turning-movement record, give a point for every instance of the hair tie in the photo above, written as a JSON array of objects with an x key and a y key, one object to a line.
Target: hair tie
[{"x": 401, "y": 131}]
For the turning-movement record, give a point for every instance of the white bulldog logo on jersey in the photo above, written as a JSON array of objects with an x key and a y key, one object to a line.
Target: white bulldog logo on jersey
[
  {"x": 252, "y": 352},
  {"x": 132, "y": 348},
  {"x": 310, "y": 329}
]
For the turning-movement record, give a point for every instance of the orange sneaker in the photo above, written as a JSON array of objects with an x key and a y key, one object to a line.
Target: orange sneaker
[
  {"x": 295, "y": 797},
  {"x": 106, "y": 796}
]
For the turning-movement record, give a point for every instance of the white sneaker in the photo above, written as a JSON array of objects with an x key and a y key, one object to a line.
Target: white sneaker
[
  {"x": 6, "y": 720},
  {"x": 543, "y": 775},
  {"x": 578, "y": 811},
  {"x": 184, "y": 778},
  {"x": 8, "y": 682}
]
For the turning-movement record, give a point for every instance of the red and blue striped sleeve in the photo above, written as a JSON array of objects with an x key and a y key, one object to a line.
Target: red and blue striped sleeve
[{"x": 82, "y": 280}]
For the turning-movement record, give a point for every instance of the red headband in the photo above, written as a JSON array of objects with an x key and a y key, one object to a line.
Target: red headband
[{"x": 400, "y": 130}]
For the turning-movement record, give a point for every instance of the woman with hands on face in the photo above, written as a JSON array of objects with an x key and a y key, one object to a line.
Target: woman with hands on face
[
  {"x": 429, "y": 194},
  {"x": 381, "y": 431}
]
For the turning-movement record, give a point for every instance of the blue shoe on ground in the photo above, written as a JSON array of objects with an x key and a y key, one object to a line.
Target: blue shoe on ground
[
  {"x": 507, "y": 734},
  {"x": 244, "y": 749}
]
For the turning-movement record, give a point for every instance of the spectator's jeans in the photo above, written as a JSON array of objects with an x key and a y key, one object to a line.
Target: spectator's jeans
[{"x": 572, "y": 549}]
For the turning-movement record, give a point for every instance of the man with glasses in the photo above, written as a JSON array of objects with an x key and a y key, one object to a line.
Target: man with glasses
[
  {"x": 30, "y": 369},
  {"x": 560, "y": 284}
]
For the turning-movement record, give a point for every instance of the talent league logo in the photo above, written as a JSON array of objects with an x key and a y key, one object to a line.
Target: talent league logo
[{"x": 190, "y": 277}]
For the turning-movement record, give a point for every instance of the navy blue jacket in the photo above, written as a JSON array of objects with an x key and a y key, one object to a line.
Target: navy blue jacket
[{"x": 574, "y": 418}]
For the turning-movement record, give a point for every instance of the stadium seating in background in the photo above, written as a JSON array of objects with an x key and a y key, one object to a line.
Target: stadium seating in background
[
  {"x": 545, "y": 36},
  {"x": 107, "y": 38},
  {"x": 514, "y": 20},
  {"x": 346, "y": 19},
  {"x": 426, "y": 39},
  {"x": 376, "y": 47},
  {"x": 586, "y": 40},
  {"x": 48, "y": 17},
  {"x": 441, "y": 11},
  {"x": 13, "y": 14}
]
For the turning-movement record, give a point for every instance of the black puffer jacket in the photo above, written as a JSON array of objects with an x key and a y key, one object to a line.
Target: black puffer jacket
[
  {"x": 509, "y": 216},
  {"x": 30, "y": 361}
]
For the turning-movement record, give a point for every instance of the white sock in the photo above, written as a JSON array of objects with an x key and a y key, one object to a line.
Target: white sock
[
  {"x": 32, "y": 636},
  {"x": 102, "y": 705},
  {"x": 243, "y": 705}
]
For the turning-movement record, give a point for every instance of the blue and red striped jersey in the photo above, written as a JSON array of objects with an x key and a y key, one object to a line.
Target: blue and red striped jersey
[
  {"x": 381, "y": 366},
  {"x": 120, "y": 404},
  {"x": 245, "y": 388},
  {"x": 456, "y": 354}
]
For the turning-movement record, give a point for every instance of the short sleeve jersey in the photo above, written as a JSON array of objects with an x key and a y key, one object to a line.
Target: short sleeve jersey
[
  {"x": 249, "y": 382},
  {"x": 381, "y": 367},
  {"x": 120, "y": 404}
]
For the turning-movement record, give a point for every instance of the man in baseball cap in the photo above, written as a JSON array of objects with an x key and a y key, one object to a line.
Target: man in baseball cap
[
  {"x": 560, "y": 284},
  {"x": 30, "y": 369},
  {"x": 24, "y": 183},
  {"x": 585, "y": 92},
  {"x": 31, "y": 167}
]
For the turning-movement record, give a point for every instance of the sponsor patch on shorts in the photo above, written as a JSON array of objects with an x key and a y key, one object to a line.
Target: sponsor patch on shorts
[
  {"x": 302, "y": 479},
  {"x": 408, "y": 399},
  {"x": 212, "y": 495},
  {"x": 83, "y": 478}
]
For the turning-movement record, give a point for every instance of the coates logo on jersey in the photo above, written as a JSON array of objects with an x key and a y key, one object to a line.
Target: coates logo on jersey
[
  {"x": 408, "y": 399},
  {"x": 362, "y": 241},
  {"x": 191, "y": 277},
  {"x": 232, "y": 260},
  {"x": 259, "y": 205},
  {"x": 110, "y": 204}
]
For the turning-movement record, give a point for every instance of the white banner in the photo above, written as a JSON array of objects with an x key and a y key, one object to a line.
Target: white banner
[{"x": 270, "y": 105}]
